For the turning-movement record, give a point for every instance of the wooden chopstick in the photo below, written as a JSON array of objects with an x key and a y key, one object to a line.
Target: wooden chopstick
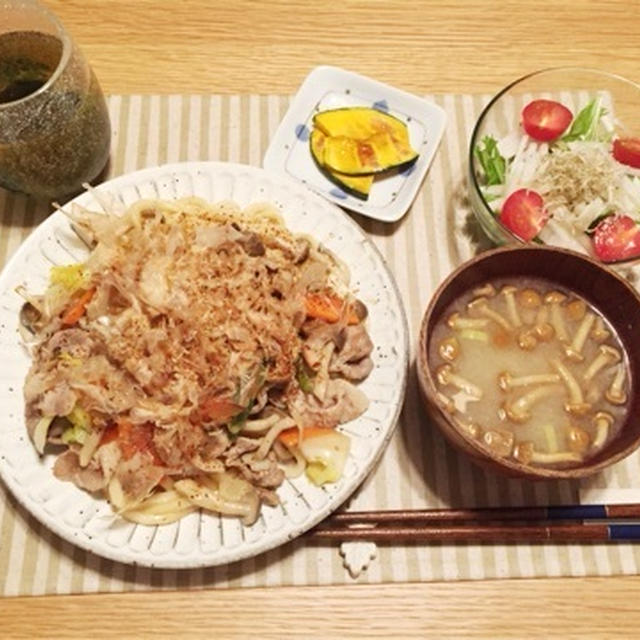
[
  {"x": 485, "y": 533},
  {"x": 499, "y": 524},
  {"x": 559, "y": 512}
]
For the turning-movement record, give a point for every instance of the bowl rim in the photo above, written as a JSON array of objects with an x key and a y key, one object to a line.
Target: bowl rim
[
  {"x": 474, "y": 184},
  {"x": 429, "y": 388}
]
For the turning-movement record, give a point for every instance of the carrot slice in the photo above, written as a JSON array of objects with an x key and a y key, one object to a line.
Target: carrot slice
[
  {"x": 290, "y": 437},
  {"x": 328, "y": 306},
  {"x": 77, "y": 309}
]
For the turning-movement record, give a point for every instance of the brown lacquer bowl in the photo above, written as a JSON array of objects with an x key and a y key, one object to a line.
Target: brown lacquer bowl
[{"x": 610, "y": 294}]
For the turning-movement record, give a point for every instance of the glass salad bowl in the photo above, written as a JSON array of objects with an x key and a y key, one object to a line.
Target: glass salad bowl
[{"x": 555, "y": 159}]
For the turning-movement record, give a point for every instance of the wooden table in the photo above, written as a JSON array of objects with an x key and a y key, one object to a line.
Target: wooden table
[{"x": 209, "y": 46}]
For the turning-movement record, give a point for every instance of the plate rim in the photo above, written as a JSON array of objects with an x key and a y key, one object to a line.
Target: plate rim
[{"x": 279, "y": 538}]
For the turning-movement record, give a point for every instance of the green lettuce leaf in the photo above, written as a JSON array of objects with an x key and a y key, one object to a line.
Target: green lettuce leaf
[{"x": 585, "y": 124}]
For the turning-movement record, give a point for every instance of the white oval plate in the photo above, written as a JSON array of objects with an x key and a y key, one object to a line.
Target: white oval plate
[{"x": 201, "y": 539}]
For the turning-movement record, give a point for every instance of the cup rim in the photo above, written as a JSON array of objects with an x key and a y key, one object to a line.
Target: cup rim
[
  {"x": 62, "y": 63},
  {"x": 507, "y": 234}
]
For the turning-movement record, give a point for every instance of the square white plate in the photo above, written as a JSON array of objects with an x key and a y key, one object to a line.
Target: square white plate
[{"x": 330, "y": 88}]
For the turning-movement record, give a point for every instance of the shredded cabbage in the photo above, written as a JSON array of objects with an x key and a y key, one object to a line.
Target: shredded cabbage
[
  {"x": 80, "y": 426},
  {"x": 71, "y": 276},
  {"x": 79, "y": 418},
  {"x": 326, "y": 456},
  {"x": 73, "y": 435}
]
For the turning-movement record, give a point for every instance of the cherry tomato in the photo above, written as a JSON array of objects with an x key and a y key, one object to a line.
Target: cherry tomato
[
  {"x": 545, "y": 120},
  {"x": 617, "y": 238},
  {"x": 523, "y": 213},
  {"x": 627, "y": 151}
]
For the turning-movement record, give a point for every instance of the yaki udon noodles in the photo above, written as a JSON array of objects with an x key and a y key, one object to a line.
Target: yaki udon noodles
[{"x": 198, "y": 357}]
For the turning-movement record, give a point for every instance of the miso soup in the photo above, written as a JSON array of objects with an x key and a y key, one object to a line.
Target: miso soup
[{"x": 533, "y": 372}]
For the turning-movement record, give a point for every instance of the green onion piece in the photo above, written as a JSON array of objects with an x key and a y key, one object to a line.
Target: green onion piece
[
  {"x": 237, "y": 422},
  {"x": 303, "y": 376},
  {"x": 474, "y": 334},
  {"x": 491, "y": 161}
]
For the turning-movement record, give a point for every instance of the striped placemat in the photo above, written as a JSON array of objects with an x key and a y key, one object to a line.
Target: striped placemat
[{"x": 418, "y": 470}]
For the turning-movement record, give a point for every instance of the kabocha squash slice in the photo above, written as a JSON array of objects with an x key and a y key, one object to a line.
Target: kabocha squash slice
[
  {"x": 359, "y": 123},
  {"x": 353, "y": 145},
  {"x": 361, "y": 140},
  {"x": 353, "y": 157},
  {"x": 358, "y": 186},
  {"x": 391, "y": 152},
  {"x": 376, "y": 154}
]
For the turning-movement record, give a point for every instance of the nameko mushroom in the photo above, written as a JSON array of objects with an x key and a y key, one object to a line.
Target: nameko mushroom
[
  {"x": 578, "y": 439},
  {"x": 509, "y": 293},
  {"x": 529, "y": 299},
  {"x": 506, "y": 381},
  {"x": 520, "y": 409},
  {"x": 446, "y": 403},
  {"x": 602, "y": 422},
  {"x": 487, "y": 291},
  {"x": 527, "y": 340},
  {"x": 472, "y": 428},
  {"x": 576, "y": 310},
  {"x": 482, "y": 308},
  {"x": 606, "y": 355},
  {"x": 446, "y": 376},
  {"x": 573, "y": 350},
  {"x": 449, "y": 348},
  {"x": 458, "y": 322},
  {"x": 576, "y": 404},
  {"x": 615, "y": 394},
  {"x": 599, "y": 333},
  {"x": 542, "y": 329},
  {"x": 554, "y": 300}
]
